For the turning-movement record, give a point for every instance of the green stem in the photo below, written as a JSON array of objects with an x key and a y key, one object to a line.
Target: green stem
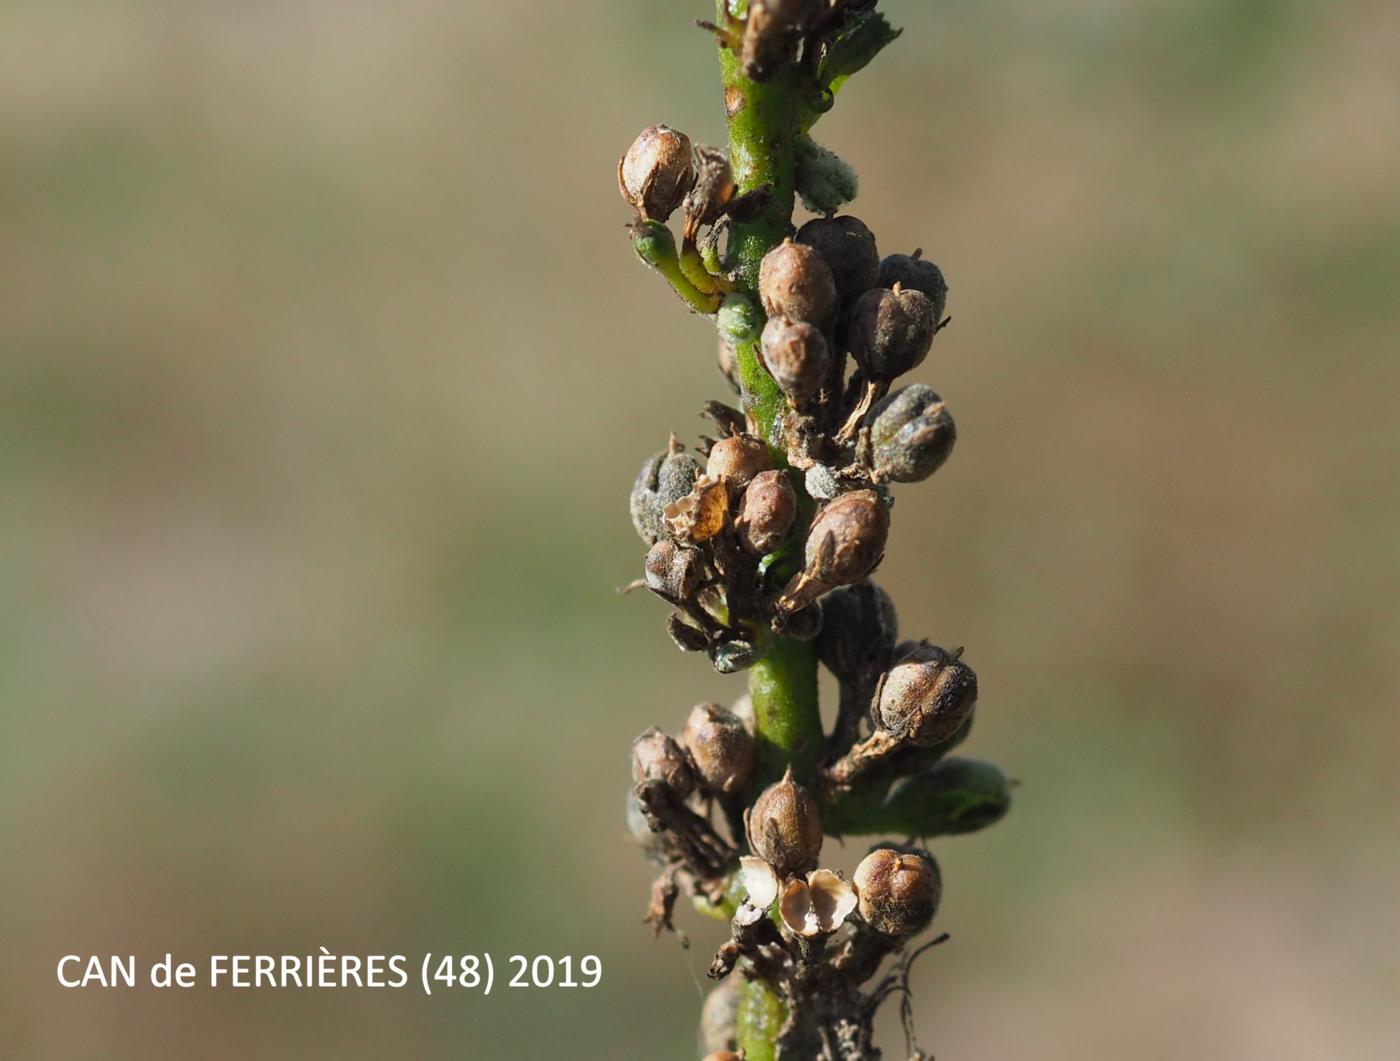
[{"x": 764, "y": 124}]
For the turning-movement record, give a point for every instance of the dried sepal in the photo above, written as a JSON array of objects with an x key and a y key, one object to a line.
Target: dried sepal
[
  {"x": 699, "y": 515},
  {"x": 818, "y": 905}
]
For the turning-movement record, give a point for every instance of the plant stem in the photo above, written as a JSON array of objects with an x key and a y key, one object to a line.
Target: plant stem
[{"x": 764, "y": 123}]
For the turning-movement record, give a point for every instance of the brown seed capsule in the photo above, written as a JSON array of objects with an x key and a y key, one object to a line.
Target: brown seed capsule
[
  {"x": 890, "y": 331},
  {"x": 859, "y": 627},
  {"x": 772, "y": 31},
  {"x": 720, "y": 747},
  {"x": 796, "y": 356},
  {"x": 785, "y": 829},
  {"x": 926, "y": 696},
  {"x": 666, "y": 477},
  {"x": 657, "y": 172},
  {"x": 657, "y": 757},
  {"x": 766, "y": 512},
  {"x": 737, "y": 459},
  {"x": 856, "y": 526},
  {"x": 899, "y": 891},
  {"x": 911, "y": 271},
  {"x": 672, "y": 570},
  {"x": 911, "y": 436},
  {"x": 848, "y": 247},
  {"x": 795, "y": 281}
]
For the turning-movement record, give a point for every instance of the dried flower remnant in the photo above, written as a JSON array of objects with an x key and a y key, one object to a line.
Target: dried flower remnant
[{"x": 762, "y": 542}]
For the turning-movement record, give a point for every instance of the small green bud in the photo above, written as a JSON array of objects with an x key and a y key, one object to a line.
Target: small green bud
[
  {"x": 824, "y": 180},
  {"x": 912, "y": 435},
  {"x": 656, "y": 172},
  {"x": 912, "y": 272},
  {"x": 657, "y": 757},
  {"x": 848, "y": 247},
  {"x": 796, "y": 355},
  {"x": 890, "y": 331},
  {"x": 926, "y": 696},
  {"x": 766, "y": 512},
  {"x": 739, "y": 320},
  {"x": 720, "y": 747},
  {"x": 785, "y": 828},
  {"x": 899, "y": 891},
  {"x": 953, "y": 796},
  {"x": 859, "y": 628},
  {"x": 795, "y": 281}
]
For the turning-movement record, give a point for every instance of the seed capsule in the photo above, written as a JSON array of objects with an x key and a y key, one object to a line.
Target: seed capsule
[
  {"x": 737, "y": 459},
  {"x": 899, "y": 891},
  {"x": 772, "y": 31},
  {"x": 766, "y": 512},
  {"x": 912, "y": 435},
  {"x": 720, "y": 747},
  {"x": 797, "y": 357},
  {"x": 785, "y": 829},
  {"x": 912, "y": 272},
  {"x": 657, "y": 172},
  {"x": 665, "y": 477},
  {"x": 845, "y": 543},
  {"x": 859, "y": 628},
  {"x": 672, "y": 570},
  {"x": 890, "y": 331},
  {"x": 657, "y": 757},
  {"x": 848, "y": 247},
  {"x": 795, "y": 281},
  {"x": 926, "y": 696}
]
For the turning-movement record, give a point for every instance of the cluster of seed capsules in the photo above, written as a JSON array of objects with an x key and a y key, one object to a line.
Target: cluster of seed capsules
[
  {"x": 751, "y": 540},
  {"x": 720, "y": 524}
]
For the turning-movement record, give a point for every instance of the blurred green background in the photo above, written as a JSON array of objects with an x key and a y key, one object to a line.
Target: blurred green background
[{"x": 325, "y": 369}]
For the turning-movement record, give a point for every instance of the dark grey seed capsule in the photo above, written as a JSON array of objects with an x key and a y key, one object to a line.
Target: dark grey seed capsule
[{"x": 912, "y": 435}]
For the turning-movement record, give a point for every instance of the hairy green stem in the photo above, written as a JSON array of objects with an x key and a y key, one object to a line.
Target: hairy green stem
[{"x": 764, "y": 123}]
